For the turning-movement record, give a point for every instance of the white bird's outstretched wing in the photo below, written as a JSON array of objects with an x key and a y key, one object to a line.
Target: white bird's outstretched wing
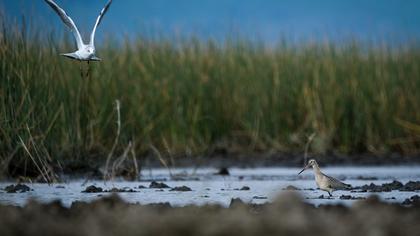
[
  {"x": 68, "y": 21},
  {"x": 98, "y": 21}
]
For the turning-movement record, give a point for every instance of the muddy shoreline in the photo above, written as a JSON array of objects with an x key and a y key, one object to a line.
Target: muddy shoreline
[
  {"x": 93, "y": 166},
  {"x": 268, "y": 159},
  {"x": 186, "y": 186},
  {"x": 286, "y": 215},
  {"x": 224, "y": 159}
]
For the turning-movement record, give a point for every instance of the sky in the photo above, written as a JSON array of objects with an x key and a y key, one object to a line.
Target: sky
[{"x": 266, "y": 20}]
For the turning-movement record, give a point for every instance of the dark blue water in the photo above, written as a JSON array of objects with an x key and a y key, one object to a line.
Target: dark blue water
[{"x": 266, "y": 20}]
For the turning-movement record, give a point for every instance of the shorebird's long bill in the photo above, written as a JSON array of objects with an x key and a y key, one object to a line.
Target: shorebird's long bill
[{"x": 306, "y": 167}]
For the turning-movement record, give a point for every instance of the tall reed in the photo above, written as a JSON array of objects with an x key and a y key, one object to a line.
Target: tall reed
[{"x": 193, "y": 95}]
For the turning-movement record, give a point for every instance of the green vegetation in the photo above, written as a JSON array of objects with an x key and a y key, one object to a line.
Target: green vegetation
[{"x": 192, "y": 96}]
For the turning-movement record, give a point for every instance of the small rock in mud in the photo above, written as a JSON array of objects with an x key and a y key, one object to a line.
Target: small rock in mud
[
  {"x": 155, "y": 184},
  {"x": 371, "y": 188},
  {"x": 161, "y": 205},
  {"x": 324, "y": 197},
  {"x": 345, "y": 197},
  {"x": 141, "y": 187},
  {"x": 395, "y": 185},
  {"x": 349, "y": 197},
  {"x": 245, "y": 188},
  {"x": 259, "y": 197},
  {"x": 223, "y": 171},
  {"x": 236, "y": 202},
  {"x": 292, "y": 188},
  {"x": 411, "y": 186},
  {"x": 60, "y": 186},
  {"x": 18, "y": 188},
  {"x": 121, "y": 190},
  {"x": 360, "y": 177},
  {"x": 414, "y": 200},
  {"x": 407, "y": 201},
  {"x": 181, "y": 189},
  {"x": 387, "y": 187},
  {"x": 93, "y": 189},
  {"x": 359, "y": 191}
]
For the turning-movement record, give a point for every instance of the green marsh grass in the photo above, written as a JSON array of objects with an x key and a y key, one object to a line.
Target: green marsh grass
[{"x": 193, "y": 95}]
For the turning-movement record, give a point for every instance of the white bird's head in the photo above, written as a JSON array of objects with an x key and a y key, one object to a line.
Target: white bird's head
[
  {"x": 90, "y": 50},
  {"x": 311, "y": 163}
]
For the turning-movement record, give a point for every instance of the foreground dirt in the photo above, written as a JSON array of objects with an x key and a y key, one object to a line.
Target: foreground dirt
[{"x": 288, "y": 215}]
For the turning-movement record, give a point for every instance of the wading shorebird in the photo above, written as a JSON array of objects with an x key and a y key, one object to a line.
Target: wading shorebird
[
  {"x": 85, "y": 52},
  {"x": 323, "y": 181}
]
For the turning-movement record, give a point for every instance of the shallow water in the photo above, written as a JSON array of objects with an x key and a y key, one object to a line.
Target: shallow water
[{"x": 207, "y": 188}]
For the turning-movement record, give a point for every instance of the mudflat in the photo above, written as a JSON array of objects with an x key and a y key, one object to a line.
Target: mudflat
[{"x": 288, "y": 214}]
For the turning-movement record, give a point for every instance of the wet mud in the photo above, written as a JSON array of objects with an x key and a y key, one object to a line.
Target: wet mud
[
  {"x": 287, "y": 215},
  {"x": 159, "y": 185},
  {"x": 18, "y": 188},
  {"x": 153, "y": 185},
  {"x": 181, "y": 189},
  {"x": 92, "y": 165},
  {"x": 412, "y": 201},
  {"x": 410, "y": 186}
]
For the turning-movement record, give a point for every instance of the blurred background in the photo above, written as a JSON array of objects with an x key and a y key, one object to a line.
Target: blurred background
[
  {"x": 393, "y": 21},
  {"x": 210, "y": 78}
]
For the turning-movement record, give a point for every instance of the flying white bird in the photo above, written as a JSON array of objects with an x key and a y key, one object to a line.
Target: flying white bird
[{"x": 85, "y": 52}]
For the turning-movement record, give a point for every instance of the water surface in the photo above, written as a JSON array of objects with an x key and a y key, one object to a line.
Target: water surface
[{"x": 207, "y": 188}]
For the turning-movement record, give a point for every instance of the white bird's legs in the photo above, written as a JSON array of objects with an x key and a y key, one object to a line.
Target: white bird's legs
[
  {"x": 81, "y": 68},
  {"x": 84, "y": 102},
  {"x": 88, "y": 71},
  {"x": 83, "y": 74}
]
